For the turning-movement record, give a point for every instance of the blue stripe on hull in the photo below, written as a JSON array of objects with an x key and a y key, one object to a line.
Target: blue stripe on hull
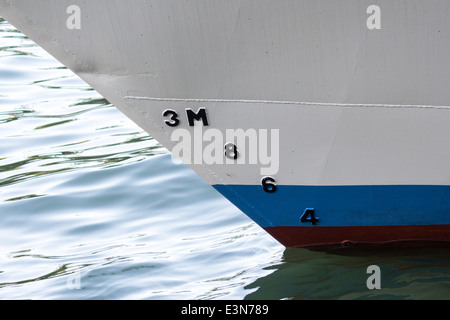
[{"x": 391, "y": 205}]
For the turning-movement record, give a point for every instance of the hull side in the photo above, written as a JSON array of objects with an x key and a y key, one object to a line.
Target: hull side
[
  {"x": 338, "y": 206},
  {"x": 358, "y": 214},
  {"x": 362, "y": 116},
  {"x": 423, "y": 235}
]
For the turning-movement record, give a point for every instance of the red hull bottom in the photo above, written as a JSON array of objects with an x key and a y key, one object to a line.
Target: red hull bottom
[{"x": 392, "y": 235}]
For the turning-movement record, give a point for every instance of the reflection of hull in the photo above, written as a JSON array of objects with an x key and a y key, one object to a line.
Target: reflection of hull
[
  {"x": 362, "y": 116},
  {"x": 338, "y": 273}
]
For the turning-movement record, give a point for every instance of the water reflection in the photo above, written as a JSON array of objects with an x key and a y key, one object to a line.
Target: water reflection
[
  {"x": 13, "y": 115},
  {"x": 341, "y": 273},
  {"x": 52, "y": 122}
]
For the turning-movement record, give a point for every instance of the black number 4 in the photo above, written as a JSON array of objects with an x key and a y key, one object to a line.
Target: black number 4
[{"x": 309, "y": 216}]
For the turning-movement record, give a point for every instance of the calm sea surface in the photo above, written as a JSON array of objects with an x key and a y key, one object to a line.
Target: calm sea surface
[{"x": 91, "y": 207}]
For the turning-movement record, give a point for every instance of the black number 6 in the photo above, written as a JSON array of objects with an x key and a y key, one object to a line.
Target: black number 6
[{"x": 268, "y": 184}]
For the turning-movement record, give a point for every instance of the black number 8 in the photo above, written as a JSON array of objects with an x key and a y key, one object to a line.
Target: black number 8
[{"x": 231, "y": 151}]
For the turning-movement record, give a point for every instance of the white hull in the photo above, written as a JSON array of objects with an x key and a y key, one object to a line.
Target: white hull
[
  {"x": 321, "y": 144},
  {"x": 352, "y": 105}
]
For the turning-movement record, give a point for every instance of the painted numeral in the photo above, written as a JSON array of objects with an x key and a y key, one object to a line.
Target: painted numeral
[
  {"x": 231, "y": 151},
  {"x": 309, "y": 216},
  {"x": 173, "y": 121},
  {"x": 191, "y": 115},
  {"x": 269, "y": 184}
]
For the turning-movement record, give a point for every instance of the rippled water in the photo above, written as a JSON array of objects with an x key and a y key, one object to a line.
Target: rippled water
[{"x": 91, "y": 207}]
